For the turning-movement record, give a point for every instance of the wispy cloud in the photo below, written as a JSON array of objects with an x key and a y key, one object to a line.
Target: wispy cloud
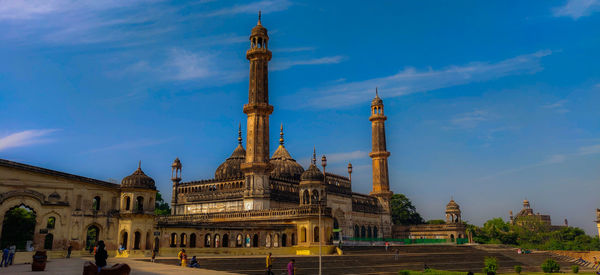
[
  {"x": 188, "y": 65},
  {"x": 130, "y": 145},
  {"x": 346, "y": 156},
  {"x": 286, "y": 64},
  {"x": 577, "y": 8},
  {"x": 411, "y": 80},
  {"x": 558, "y": 106},
  {"x": 25, "y": 138},
  {"x": 294, "y": 49},
  {"x": 468, "y": 120},
  {"x": 267, "y": 6},
  {"x": 552, "y": 159}
]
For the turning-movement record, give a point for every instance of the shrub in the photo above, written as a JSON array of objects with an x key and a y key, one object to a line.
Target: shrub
[
  {"x": 404, "y": 272},
  {"x": 491, "y": 265},
  {"x": 575, "y": 269},
  {"x": 469, "y": 273},
  {"x": 518, "y": 269},
  {"x": 550, "y": 266}
]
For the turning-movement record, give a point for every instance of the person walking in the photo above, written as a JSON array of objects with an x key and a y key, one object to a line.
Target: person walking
[
  {"x": 291, "y": 267},
  {"x": 270, "y": 264},
  {"x": 101, "y": 256},
  {"x": 183, "y": 258},
  {"x": 4, "y": 262},
  {"x": 69, "y": 249},
  {"x": 11, "y": 254}
]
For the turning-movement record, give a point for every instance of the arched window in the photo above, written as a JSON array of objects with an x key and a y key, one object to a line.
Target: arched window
[
  {"x": 96, "y": 203},
  {"x": 127, "y": 203},
  {"x": 193, "y": 240},
  {"x": 137, "y": 239},
  {"x": 356, "y": 231},
  {"x": 363, "y": 232},
  {"x": 336, "y": 226},
  {"x": 276, "y": 240},
  {"x": 303, "y": 235},
  {"x": 51, "y": 223},
  {"x": 316, "y": 234},
  {"x": 140, "y": 204},
  {"x": 248, "y": 240},
  {"x": 217, "y": 240},
  {"x": 369, "y": 232},
  {"x": 124, "y": 240},
  {"x": 239, "y": 240},
  {"x": 255, "y": 240},
  {"x": 268, "y": 241},
  {"x": 48, "y": 241},
  {"x": 315, "y": 197},
  {"x": 283, "y": 240},
  {"x": 294, "y": 241},
  {"x": 225, "y": 240},
  {"x": 305, "y": 197},
  {"x": 207, "y": 240},
  {"x": 173, "y": 240},
  {"x": 375, "y": 232},
  {"x": 183, "y": 240}
]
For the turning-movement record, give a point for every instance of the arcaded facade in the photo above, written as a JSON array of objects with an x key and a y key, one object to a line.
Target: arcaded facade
[{"x": 261, "y": 200}]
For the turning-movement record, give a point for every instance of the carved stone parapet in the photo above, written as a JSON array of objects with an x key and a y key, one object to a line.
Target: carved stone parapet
[
  {"x": 380, "y": 154},
  {"x": 261, "y": 108}
]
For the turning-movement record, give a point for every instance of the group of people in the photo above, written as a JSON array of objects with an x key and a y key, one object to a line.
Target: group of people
[
  {"x": 184, "y": 260},
  {"x": 8, "y": 254},
  {"x": 291, "y": 266}
]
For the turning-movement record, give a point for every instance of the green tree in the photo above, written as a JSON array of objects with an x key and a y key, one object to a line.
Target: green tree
[
  {"x": 18, "y": 227},
  {"x": 403, "y": 211},
  {"x": 160, "y": 206}
]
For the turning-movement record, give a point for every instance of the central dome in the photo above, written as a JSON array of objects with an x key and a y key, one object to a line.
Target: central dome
[
  {"x": 282, "y": 162},
  {"x": 138, "y": 180},
  {"x": 230, "y": 169}
]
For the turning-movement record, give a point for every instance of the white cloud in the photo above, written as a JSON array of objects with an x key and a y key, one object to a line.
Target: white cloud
[
  {"x": 267, "y": 6},
  {"x": 468, "y": 120},
  {"x": 346, "y": 156},
  {"x": 25, "y": 138},
  {"x": 577, "y": 8},
  {"x": 589, "y": 150},
  {"x": 410, "y": 80},
  {"x": 286, "y": 64},
  {"x": 188, "y": 65},
  {"x": 558, "y": 106}
]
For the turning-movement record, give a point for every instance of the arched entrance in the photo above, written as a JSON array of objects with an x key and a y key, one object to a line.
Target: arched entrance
[
  {"x": 18, "y": 226},
  {"x": 92, "y": 235},
  {"x": 336, "y": 228},
  {"x": 48, "y": 241},
  {"x": 239, "y": 241},
  {"x": 193, "y": 240},
  {"x": 283, "y": 240},
  {"x": 225, "y": 240},
  {"x": 255, "y": 240},
  {"x": 137, "y": 237},
  {"x": 124, "y": 239},
  {"x": 207, "y": 240}
]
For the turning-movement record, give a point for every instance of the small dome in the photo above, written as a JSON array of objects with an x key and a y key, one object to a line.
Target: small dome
[
  {"x": 284, "y": 165},
  {"x": 138, "y": 180},
  {"x": 231, "y": 167},
  {"x": 176, "y": 163},
  {"x": 54, "y": 197},
  {"x": 312, "y": 174},
  {"x": 259, "y": 29},
  {"x": 452, "y": 206},
  {"x": 376, "y": 101}
]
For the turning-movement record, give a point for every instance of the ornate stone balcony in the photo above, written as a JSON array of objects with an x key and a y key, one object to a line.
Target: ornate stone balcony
[{"x": 252, "y": 215}]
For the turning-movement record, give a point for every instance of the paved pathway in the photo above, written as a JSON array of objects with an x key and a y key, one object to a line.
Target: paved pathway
[{"x": 74, "y": 266}]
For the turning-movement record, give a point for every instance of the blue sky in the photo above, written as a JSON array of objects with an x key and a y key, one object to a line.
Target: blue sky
[{"x": 489, "y": 102}]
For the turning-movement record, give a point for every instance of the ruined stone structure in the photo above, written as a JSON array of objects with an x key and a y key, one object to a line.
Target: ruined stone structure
[
  {"x": 526, "y": 215},
  {"x": 452, "y": 229},
  {"x": 79, "y": 211}
]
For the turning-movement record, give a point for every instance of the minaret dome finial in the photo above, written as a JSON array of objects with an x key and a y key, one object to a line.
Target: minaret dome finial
[
  {"x": 314, "y": 158},
  {"x": 259, "y": 15},
  {"x": 240, "y": 134},
  {"x": 281, "y": 134}
]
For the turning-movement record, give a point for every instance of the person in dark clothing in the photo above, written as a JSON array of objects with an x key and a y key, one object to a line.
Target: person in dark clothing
[
  {"x": 101, "y": 256},
  {"x": 69, "y": 249}
]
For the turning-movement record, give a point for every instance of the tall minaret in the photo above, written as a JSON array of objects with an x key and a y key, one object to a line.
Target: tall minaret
[
  {"x": 176, "y": 178},
  {"x": 379, "y": 153},
  {"x": 256, "y": 166}
]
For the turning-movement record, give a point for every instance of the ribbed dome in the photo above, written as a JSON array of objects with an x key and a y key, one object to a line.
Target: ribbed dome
[
  {"x": 282, "y": 162},
  {"x": 284, "y": 165},
  {"x": 259, "y": 29},
  {"x": 231, "y": 167},
  {"x": 138, "y": 180},
  {"x": 312, "y": 174},
  {"x": 452, "y": 206}
]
